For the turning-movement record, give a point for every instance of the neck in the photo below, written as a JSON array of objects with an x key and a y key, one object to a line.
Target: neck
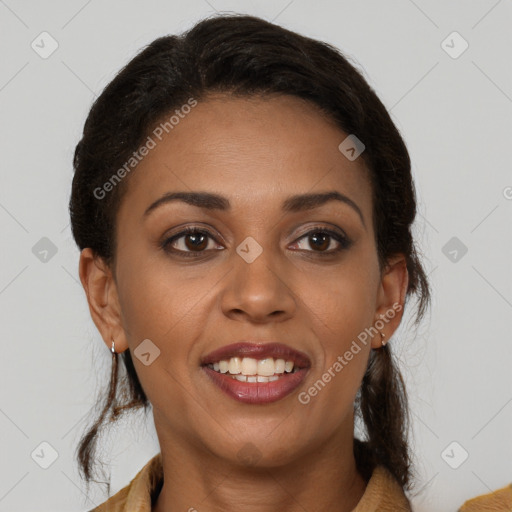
[{"x": 326, "y": 479}]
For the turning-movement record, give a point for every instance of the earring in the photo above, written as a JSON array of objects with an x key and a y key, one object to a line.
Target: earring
[
  {"x": 113, "y": 349},
  {"x": 383, "y": 341}
]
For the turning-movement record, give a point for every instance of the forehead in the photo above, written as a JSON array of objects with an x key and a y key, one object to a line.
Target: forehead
[{"x": 257, "y": 149}]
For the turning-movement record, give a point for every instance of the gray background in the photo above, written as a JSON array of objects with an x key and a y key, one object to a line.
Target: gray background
[{"x": 455, "y": 115}]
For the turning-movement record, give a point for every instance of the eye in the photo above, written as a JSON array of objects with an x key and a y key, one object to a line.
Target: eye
[
  {"x": 321, "y": 239},
  {"x": 191, "y": 242},
  {"x": 194, "y": 242}
]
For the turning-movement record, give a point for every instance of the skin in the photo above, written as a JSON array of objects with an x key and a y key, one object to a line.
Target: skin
[{"x": 256, "y": 152}]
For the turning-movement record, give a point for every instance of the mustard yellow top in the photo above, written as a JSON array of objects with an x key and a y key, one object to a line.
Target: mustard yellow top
[
  {"x": 497, "y": 501},
  {"x": 382, "y": 494}
]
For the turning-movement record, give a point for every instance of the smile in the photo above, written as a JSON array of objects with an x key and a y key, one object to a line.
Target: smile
[
  {"x": 258, "y": 373},
  {"x": 248, "y": 369}
]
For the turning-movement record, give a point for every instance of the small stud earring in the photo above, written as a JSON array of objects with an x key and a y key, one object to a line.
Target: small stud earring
[
  {"x": 382, "y": 338},
  {"x": 113, "y": 349}
]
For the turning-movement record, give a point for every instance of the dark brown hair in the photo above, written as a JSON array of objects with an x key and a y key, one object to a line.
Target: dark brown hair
[{"x": 245, "y": 55}]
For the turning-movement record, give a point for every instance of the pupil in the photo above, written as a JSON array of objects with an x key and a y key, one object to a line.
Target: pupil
[
  {"x": 322, "y": 236},
  {"x": 196, "y": 244}
]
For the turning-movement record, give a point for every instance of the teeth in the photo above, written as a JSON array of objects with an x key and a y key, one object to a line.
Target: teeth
[
  {"x": 235, "y": 366},
  {"x": 223, "y": 366},
  {"x": 266, "y": 367},
  {"x": 249, "y": 366},
  {"x": 279, "y": 365},
  {"x": 259, "y": 378},
  {"x": 248, "y": 369}
]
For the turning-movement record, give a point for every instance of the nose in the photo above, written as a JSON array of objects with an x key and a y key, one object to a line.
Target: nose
[{"x": 258, "y": 291}]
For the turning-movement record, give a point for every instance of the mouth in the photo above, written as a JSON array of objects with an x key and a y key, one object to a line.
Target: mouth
[{"x": 256, "y": 373}]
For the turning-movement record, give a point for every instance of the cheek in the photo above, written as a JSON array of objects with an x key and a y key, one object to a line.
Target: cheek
[
  {"x": 339, "y": 322},
  {"x": 154, "y": 296},
  {"x": 170, "y": 306},
  {"x": 341, "y": 299},
  {"x": 159, "y": 305},
  {"x": 344, "y": 359},
  {"x": 340, "y": 306}
]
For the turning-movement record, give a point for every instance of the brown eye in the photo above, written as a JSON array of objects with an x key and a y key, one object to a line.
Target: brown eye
[
  {"x": 320, "y": 240},
  {"x": 196, "y": 241},
  {"x": 190, "y": 242}
]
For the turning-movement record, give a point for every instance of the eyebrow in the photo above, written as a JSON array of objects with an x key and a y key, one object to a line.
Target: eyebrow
[{"x": 297, "y": 203}]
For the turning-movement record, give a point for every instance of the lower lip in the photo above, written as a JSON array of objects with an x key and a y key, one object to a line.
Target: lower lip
[{"x": 257, "y": 392}]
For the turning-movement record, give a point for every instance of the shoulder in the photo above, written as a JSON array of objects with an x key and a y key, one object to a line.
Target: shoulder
[
  {"x": 383, "y": 494},
  {"x": 497, "y": 501},
  {"x": 140, "y": 493}
]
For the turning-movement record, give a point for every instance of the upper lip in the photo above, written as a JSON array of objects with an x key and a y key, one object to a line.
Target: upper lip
[{"x": 258, "y": 351}]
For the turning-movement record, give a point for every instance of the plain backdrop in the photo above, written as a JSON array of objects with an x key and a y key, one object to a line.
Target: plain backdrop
[{"x": 443, "y": 71}]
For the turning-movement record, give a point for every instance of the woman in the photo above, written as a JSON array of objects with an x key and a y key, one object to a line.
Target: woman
[{"x": 243, "y": 204}]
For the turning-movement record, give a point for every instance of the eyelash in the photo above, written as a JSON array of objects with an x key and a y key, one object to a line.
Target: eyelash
[{"x": 344, "y": 241}]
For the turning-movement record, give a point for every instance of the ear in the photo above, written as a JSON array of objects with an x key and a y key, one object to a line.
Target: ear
[
  {"x": 101, "y": 291},
  {"x": 391, "y": 298}
]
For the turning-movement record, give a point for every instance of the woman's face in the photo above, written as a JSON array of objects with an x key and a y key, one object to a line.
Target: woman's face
[{"x": 261, "y": 273}]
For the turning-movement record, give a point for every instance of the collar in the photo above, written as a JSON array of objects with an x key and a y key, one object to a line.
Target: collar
[{"x": 383, "y": 493}]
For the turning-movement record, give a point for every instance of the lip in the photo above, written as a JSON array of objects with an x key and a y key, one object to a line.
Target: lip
[
  {"x": 257, "y": 392},
  {"x": 258, "y": 351}
]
